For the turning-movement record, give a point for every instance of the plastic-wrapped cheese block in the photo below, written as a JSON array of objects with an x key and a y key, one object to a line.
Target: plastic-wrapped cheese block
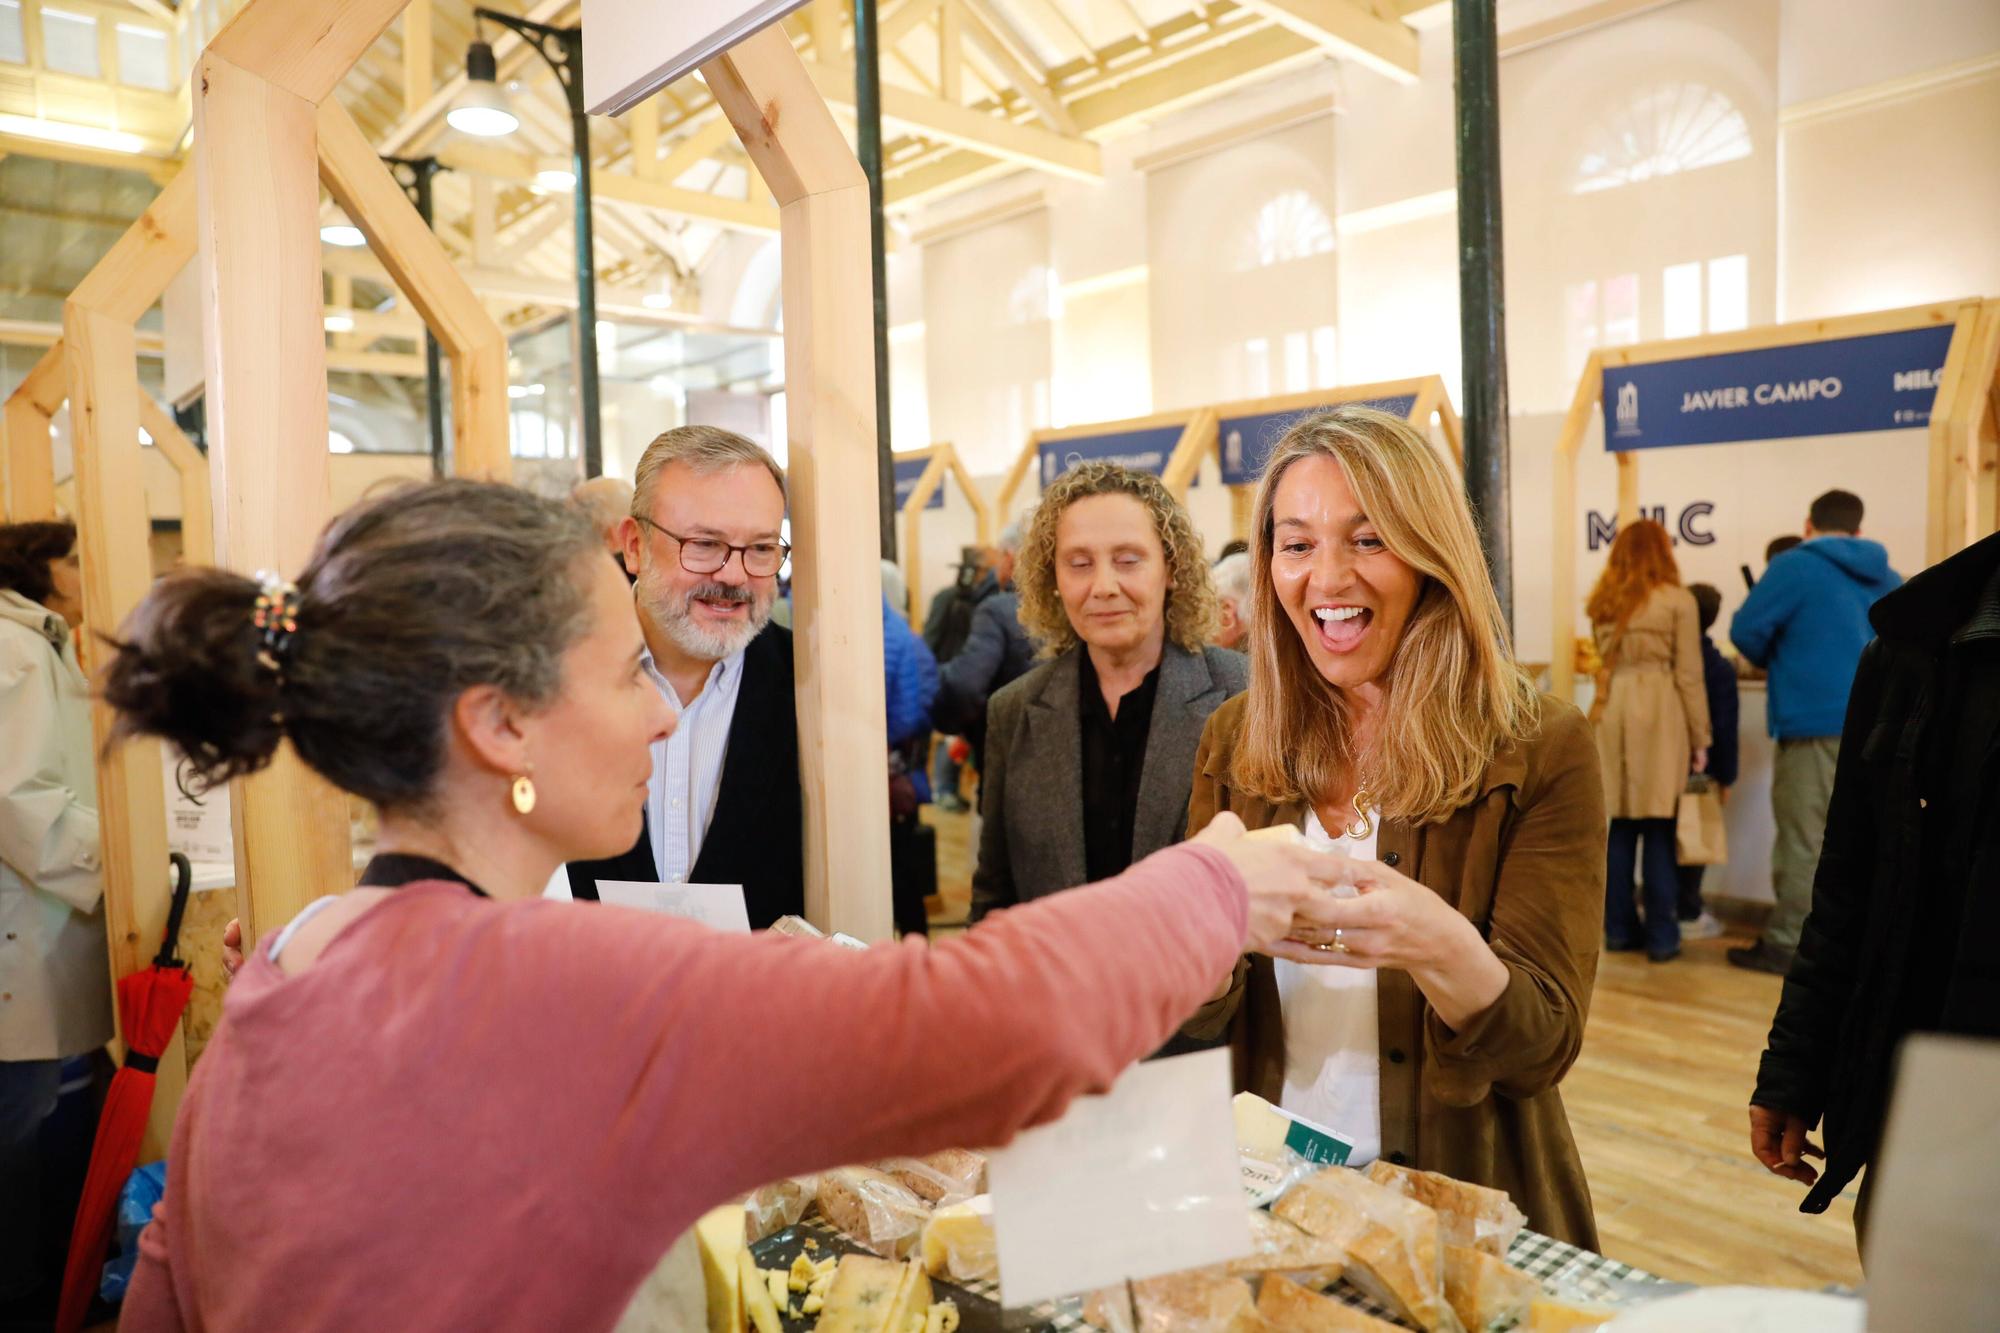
[
  {"x": 959, "y": 1244},
  {"x": 1281, "y": 1247},
  {"x": 1395, "y": 1250},
  {"x": 1472, "y": 1215},
  {"x": 1484, "y": 1290},
  {"x": 1201, "y": 1300},
  {"x": 1290, "y": 1308},
  {"x": 951, "y": 1176},
  {"x": 874, "y": 1209}
]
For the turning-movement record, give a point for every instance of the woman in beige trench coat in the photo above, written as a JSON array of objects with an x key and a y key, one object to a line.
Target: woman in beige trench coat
[{"x": 1652, "y": 729}]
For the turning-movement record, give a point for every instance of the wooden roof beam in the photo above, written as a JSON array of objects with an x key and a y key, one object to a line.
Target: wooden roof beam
[
  {"x": 935, "y": 118},
  {"x": 1350, "y": 30}
]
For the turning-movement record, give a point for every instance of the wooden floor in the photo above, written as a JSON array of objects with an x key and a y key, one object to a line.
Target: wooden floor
[{"x": 1657, "y": 1103}]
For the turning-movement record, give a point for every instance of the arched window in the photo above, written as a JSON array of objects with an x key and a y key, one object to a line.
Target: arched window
[
  {"x": 1666, "y": 129},
  {"x": 1290, "y": 226}
]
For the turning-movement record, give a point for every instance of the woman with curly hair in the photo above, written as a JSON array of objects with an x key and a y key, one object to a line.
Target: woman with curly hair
[
  {"x": 1430, "y": 1017},
  {"x": 1089, "y": 756},
  {"x": 1652, "y": 728}
]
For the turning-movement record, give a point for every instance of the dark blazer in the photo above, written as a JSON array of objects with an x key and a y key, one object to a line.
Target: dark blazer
[
  {"x": 756, "y": 837},
  {"x": 1904, "y": 910},
  {"x": 1031, "y": 790}
]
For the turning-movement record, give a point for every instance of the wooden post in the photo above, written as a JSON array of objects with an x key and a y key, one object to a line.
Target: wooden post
[
  {"x": 1197, "y": 439},
  {"x": 112, "y": 541},
  {"x": 417, "y": 262},
  {"x": 1242, "y": 512},
  {"x": 417, "y": 73},
  {"x": 642, "y": 132},
  {"x": 795, "y": 143},
  {"x": 1953, "y": 457},
  {"x": 1024, "y": 463},
  {"x": 1978, "y": 413},
  {"x": 255, "y": 159},
  {"x": 31, "y": 466},
  {"x": 942, "y": 459},
  {"x": 1562, "y": 529},
  {"x": 197, "y": 520}
]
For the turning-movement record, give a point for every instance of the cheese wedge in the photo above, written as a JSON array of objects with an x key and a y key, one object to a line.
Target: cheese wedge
[
  {"x": 1264, "y": 1129},
  {"x": 721, "y": 1237},
  {"x": 871, "y": 1295},
  {"x": 959, "y": 1244},
  {"x": 1290, "y": 1308},
  {"x": 757, "y": 1294},
  {"x": 1484, "y": 1290}
]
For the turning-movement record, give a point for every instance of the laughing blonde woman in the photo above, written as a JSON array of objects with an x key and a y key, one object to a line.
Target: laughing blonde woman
[{"x": 1430, "y": 1017}]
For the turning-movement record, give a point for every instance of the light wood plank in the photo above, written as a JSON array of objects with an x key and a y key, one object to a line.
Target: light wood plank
[
  {"x": 829, "y": 360},
  {"x": 414, "y": 257},
  {"x": 127, "y": 282},
  {"x": 642, "y": 134},
  {"x": 417, "y": 56},
  {"x": 267, "y": 415},
  {"x": 305, "y": 47},
  {"x": 935, "y": 118},
  {"x": 113, "y": 542},
  {"x": 1348, "y": 31},
  {"x": 30, "y": 462}
]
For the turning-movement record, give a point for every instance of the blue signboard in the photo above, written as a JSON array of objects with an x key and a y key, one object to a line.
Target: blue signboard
[
  {"x": 908, "y": 471},
  {"x": 1881, "y": 381},
  {"x": 1247, "y": 441},
  {"x": 1141, "y": 450}
]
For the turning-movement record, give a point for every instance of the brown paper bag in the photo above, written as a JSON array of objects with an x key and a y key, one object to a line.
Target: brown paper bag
[{"x": 1700, "y": 838}]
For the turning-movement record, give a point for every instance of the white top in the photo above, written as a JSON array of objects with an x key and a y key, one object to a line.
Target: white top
[
  {"x": 687, "y": 773},
  {"x": 1333, "y": 1049}
]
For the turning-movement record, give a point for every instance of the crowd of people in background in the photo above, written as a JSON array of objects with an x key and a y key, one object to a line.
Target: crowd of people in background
[{"x": 1098, "y": 691}]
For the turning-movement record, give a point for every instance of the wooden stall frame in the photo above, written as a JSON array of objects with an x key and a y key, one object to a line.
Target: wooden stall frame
[
  {"x": 942, "y": 459},
  {"x": 1431, "y": 399},
  {"x": 1024, "y": 462},
  {"x": 800, "y": 153},
  {"x": 30, "y": 458},
  {"x": 1956, "y": 478},
  {"x": 1202, "y": 437}
]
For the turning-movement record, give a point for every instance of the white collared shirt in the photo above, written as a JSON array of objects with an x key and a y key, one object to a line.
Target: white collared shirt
[
  {"x": 687, "y": 767},
  {"x": 1333, "y": 1048}
]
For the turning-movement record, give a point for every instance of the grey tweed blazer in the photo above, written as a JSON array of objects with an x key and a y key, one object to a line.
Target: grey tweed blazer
[{"x": 1031, "y": 791}]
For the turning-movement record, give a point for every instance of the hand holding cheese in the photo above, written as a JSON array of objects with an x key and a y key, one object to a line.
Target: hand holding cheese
[{"x": 1284, "y": 877}]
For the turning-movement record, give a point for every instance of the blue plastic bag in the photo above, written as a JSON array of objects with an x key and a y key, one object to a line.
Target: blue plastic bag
[{"x": 143, "y": 1188}]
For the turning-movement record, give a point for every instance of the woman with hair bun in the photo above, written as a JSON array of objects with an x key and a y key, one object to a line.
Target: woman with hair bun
[{"x": 440, "y": 1101}]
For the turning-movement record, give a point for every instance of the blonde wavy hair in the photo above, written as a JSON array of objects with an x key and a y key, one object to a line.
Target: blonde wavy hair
[
  {"x": 1191, "y": 611},
  {"x": 1454, "y": 695}
]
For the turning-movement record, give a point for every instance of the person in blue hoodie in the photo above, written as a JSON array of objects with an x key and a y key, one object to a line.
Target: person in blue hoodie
[{"x": 1806, "y": 623}]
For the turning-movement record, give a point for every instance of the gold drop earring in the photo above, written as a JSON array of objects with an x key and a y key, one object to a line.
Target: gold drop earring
[{"x": 524, "y": 794}]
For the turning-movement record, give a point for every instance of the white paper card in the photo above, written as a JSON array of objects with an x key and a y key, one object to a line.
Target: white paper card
[
  {"x": 717, "y": 905},
  {"x": 1137, "y": 1183},
  {"x": 197, "y": 826}
]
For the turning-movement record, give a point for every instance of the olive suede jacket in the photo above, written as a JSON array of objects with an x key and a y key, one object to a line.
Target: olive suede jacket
[{"x": 1524, "y": 861}]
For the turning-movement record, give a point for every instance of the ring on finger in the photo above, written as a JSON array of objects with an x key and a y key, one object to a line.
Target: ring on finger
[{"x": 1337, "y": 945}]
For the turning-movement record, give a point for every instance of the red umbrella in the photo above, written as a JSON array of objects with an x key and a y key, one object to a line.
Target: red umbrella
[{"x": 151, "y": 1002}]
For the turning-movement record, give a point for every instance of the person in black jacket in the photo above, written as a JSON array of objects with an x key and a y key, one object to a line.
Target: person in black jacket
[
  {"x": 1905, "y": 915},
  {"x": 1724, "y": 710},
  {"x": 723, "y": 806}
]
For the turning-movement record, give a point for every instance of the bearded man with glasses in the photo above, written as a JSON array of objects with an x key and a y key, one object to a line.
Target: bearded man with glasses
[{"x": 704, "y": 546}]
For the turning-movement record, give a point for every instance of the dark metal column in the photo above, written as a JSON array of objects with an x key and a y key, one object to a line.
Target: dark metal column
[
  {"x": 414, "y": 175},
  {"x": 1481, "y": 299},
  {"x": 562, "y": 48},
  {"x": 868, "y": 119}
]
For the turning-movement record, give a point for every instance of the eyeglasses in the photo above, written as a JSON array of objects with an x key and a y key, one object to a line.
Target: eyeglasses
[{"x": 705, "y": 555}]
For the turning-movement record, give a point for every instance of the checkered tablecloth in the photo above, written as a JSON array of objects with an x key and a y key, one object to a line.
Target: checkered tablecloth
[{"x": 1556, "y": 1264}]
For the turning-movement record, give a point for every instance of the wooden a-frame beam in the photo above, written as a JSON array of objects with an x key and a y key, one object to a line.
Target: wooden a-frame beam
[
  {"x": 191, "y": 466},
  {"x": 362, "y": 185},
  {"x": 935, "y": 118},
  {"x": 507, "y": 165},
  {"x": 767, "y": 93}
]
